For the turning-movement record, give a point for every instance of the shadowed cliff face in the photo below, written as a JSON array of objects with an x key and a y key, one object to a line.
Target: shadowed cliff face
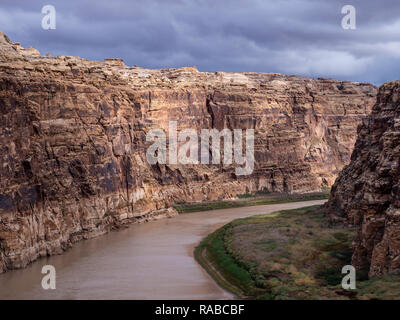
[
  {"x": 367, "y": 192},
  {"x": 73, "y": 142}
]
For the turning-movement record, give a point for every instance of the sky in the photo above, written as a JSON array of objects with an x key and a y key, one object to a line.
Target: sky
[{"x": 300, "y": 37}]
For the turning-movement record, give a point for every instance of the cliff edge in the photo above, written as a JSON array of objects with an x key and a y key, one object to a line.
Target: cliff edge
[
  {"x": 366, "y": 193},
  {"x": 73, "y": 142}
]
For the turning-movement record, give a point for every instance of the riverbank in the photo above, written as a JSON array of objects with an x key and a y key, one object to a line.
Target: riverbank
[
  {"x": 295, "y": 254},
  {"x": 248, "y": 200},
  {"x": 145, "y": 261}
]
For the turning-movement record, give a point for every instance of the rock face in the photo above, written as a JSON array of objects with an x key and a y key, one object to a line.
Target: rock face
[
  {"x": 366, "y": 193},
  {"x": 73, "y": 142}
]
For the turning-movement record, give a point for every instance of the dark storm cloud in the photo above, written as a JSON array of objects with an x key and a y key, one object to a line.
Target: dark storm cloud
[{"x": 288, "y": 36}]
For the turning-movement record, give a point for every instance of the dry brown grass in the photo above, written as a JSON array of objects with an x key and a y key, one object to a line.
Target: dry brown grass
[{"x": 294, "y": 254}]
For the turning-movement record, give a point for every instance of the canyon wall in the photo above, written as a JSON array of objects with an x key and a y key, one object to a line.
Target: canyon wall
[
  {"x": 73, "y": 142},
  {"x": 366, "y": 193}
]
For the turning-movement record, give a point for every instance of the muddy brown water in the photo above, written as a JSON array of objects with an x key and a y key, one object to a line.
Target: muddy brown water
[{"x": 147, "y": 261}]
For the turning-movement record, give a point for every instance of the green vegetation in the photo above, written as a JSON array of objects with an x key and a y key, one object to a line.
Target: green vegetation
[
  {"x": 245, "y": 195},
  {"x": 250, "y": 200},
  {"x": 294, "y": 254},
  {"x": 325, "y": 188}
]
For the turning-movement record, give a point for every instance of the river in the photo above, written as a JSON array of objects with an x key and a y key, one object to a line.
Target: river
[{"x": 146, "y": 261}]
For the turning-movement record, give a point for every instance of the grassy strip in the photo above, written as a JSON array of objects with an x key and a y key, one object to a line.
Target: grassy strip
[
  {"x": 292, "y": 254},
  {"x": 254, "y": 201},
  {"x": 211, "y": 253}
]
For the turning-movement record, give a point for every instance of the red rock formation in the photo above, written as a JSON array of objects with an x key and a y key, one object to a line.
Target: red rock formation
[
  {"x": 73, "y": 144},
  {"x": 367, "y": 191}
]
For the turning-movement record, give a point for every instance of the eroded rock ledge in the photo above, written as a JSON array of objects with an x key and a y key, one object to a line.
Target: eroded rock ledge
[
  {"x": 72, "y": 133},
  {"x": 366, "y": 193}
]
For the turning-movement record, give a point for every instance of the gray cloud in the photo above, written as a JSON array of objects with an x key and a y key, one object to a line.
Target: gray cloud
[{"x": 288, "y": 36}]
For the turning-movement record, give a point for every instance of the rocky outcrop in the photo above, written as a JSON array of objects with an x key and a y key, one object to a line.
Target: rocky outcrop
[
  {"x": 73, "y": 142},
  {"x": 366, "y": 194}
]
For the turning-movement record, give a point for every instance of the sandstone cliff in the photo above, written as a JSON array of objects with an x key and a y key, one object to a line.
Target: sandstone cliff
[
  {"x": 72, "y": 133},
  {"x": 366, "y": 193}
]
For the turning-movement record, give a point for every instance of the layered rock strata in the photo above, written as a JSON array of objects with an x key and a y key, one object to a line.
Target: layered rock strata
[
  {"x": 73, "y": 142},
  {"x": 366, "y": 194}
]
